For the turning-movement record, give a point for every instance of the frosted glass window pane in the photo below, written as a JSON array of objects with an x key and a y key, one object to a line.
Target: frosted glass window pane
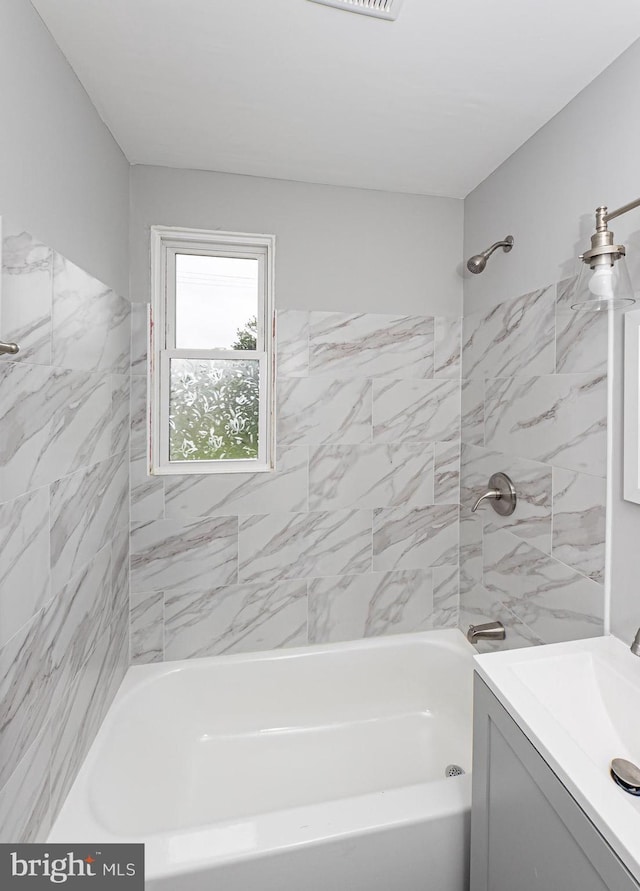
[
  {"x": 213, "y": 409},
  {"x": 216, "y": 303}
]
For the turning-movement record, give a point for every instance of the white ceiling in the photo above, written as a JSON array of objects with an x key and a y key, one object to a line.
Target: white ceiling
[{"x": 430, "y": 104}]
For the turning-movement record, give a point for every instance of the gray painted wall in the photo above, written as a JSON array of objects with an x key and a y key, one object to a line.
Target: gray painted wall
[
  {"x": 545, "y": 195},
  {"x": 338, "y": 249},
  {"x": 63, "y": 177}
]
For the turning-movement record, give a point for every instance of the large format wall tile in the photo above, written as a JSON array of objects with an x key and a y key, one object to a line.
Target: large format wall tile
[
  {"x": 24, "y": 801},
  {"x": 64, "y": 404},
  {"x": 86, "y": 508},
  {"x": 24, "y": 560},
  {"x": 120, "y": 423},
  {"x": 479, "y": 605},
  {"x": 534, "y": 405},
  {"x": 236, "y": 619},
  {"x": 558, "y": 419},
  {"x": 293, "y": 343},
  {"x": 446, "y": 473},
  {"x": 241, "y": 493},
  {"x": 60, "y": 422},
  {"x": 369, "y": 345},
  {"x": 26, "y": 296},
  {"x": 515, "y": 337},
  {"x": 532, "y": 480},
  {"x": 25, "y": 686},
  {"x": 170, "y": 554},
  {"x": 405, "y": 538},
  {"x": 138, "y": 416},
  {"x": 554, "y": 601},
  {"x": 348, "y": 607},
  {"x": 318, "y": 410},
  {"x": 147, "y": 492},
  {"x": 448, "y": 335},
  {"x": 80, "y": 714},
  {"x": 147, "y": 628},
  {"x": 416, "y": 411},
  {"x": 446, "y": 596},
  {"x": 368, "y": 476},
  {"x": 289, "y": 546},
  {"x": 312, "y": 519},
  {"x": 91, "y": 324},
  {"x": 472, "y": 412},
  {"x": 579, "y": 512}
]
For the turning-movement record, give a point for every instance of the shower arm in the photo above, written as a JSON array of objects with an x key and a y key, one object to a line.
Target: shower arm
[{"x": 504, "y": 243}]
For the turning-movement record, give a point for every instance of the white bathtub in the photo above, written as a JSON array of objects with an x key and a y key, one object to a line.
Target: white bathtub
[{"x": 293, "y": 770}]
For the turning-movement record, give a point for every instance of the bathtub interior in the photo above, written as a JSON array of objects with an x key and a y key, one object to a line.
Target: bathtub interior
[{"x": 195, "y": 743}]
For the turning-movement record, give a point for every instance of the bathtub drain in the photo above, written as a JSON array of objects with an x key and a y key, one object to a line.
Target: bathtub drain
[{"x": 454, "y": 770}]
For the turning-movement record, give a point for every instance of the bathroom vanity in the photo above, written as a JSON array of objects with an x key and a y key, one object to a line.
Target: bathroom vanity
[{"x": 546, "y": 814}]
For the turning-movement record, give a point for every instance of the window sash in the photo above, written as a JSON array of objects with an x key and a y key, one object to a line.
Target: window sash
[{"x": 166, "y": 243}]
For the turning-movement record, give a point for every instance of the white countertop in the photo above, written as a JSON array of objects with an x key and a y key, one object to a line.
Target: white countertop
[{"x": 579, "y": 704}]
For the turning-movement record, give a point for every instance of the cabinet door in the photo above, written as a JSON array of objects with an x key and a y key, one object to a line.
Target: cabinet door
[{"x": 527, "y": 832}]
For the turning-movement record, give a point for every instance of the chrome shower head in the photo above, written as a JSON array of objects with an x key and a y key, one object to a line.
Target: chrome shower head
[{"x": 477, "y": 263}]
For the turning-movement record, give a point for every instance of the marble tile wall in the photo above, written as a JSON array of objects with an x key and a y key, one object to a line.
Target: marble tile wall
[
  {"x": 355, "y": 534},
  {"x": 534, "y": 405},
  {"x": 64, "y": 524}
]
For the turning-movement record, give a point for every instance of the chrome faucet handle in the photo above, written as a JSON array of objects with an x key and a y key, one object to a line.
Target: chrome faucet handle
[{"x": 501, "y": 493}]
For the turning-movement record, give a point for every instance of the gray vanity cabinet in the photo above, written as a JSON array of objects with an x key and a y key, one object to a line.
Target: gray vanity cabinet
[{"x": 527, "y": 832}]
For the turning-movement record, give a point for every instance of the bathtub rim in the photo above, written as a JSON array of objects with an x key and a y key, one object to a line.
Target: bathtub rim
[{"x": 276, "y": 831}]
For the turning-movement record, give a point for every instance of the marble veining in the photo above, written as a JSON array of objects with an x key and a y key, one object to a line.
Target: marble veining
[
  {"x": 236, "y": 619},
  {"x": 532, "y": 518},
  {"x": 579, "y": 513},
  {"x": 370, "y": 345},
  {"x": 447, "y": 473},
  {"x": 415, "y": 538},
  {"x": 472, "y": 412},
  {"x": 120, "y": 389},
  {"x": 184, "y": 554},
  {"x": 553, "y": 600},
  {"x": 416, "y": 411},
  {"x": 147, "y": 492},
  {"x": 64, "y": 561},
  {"x": 292, "y": 343},
  {"x": 86, "y": 508},
  {"x": 241, "y": 493},
  {"x": 368, "y": 476},
  {"x": 24, "y": 560},
  {"x": 557, "y": 419},
  {"x": 61, "y": 421},
  {"x": 348, "y": 607},
  {"x": 448, "y": 348},
  {"x": 24, "y": 801},
  {"x": 514, "y": 337},
  {"x": 147, "y": 628},
  {"x": 317, "y": 410},
  {"x": 301, "y": 545},
  {"x": 26, "y": 296},
  {"x": 91, "y": 323}
]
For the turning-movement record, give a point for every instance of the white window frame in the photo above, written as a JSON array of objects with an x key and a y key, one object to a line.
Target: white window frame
[{"x": 166, "y": 242}]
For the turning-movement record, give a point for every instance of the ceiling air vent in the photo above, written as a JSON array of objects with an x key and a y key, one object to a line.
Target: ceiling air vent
[{"x": 380, "y": 9}]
